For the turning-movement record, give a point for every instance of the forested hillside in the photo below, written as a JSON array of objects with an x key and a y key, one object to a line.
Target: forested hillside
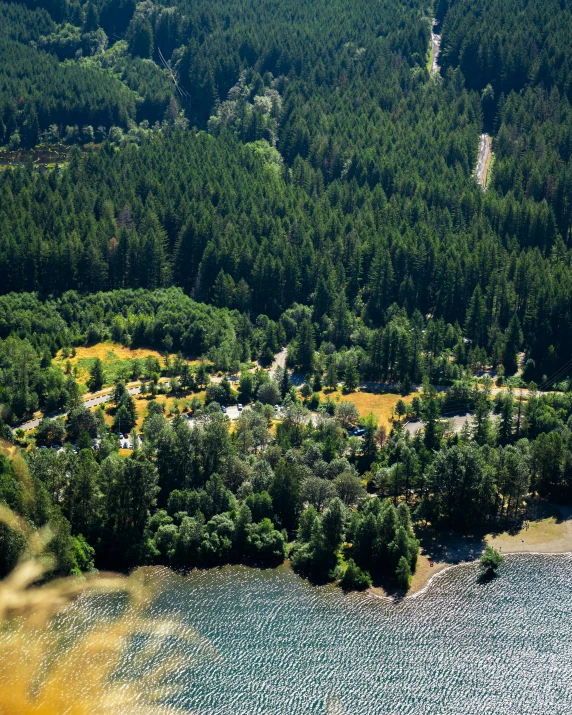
[
  {"x": 519, "y": 57},
  {"x": 238, "y": 178},
  {"x": 509, "y": 44},
  {"x": 334, "y": 164}
]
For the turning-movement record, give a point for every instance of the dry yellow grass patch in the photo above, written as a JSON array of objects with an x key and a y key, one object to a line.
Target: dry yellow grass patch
[
  {"x": 7, "y": 448},
  {"x": 112, "y": 355},
  {"x": 378, "y": 403},
  {"x": 168, "y": 401},
  {"x": 543, "y": 530},
  {"x": 101, "y": 351}
]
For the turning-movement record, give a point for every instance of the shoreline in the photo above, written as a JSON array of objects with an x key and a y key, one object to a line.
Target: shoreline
[
  {"x": 422, "y": 579},
  {"x": 468, "y": 563},
  {"x": 552, "y": 535}
]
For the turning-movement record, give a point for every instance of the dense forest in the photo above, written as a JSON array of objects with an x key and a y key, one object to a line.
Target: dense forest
[
  {"x": 239, "y": 179},
  {"x": 310, "y": 184}
]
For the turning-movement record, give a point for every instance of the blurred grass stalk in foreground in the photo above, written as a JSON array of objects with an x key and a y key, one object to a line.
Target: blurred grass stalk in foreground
[{"x": 51, "y": 665}]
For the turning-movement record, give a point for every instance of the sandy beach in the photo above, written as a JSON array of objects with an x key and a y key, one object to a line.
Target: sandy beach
[{"x": 549, "y": 535}]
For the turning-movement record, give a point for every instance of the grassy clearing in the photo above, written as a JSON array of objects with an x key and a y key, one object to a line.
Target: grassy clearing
[
  {"x": 543, "y": 530},
  {"x": 550, "y": 534},
  {"x": 378, "y": 403},
  {"x": 116, "y": 358}
]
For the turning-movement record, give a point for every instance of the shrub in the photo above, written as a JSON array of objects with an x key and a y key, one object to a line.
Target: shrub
[{"x": 491, "y": 559}]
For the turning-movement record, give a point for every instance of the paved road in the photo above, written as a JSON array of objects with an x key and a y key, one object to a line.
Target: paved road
[
  {"x": 382, "y": 386},
  {"x": 296, "y": 378},
  {"x": 99, "y": 398},
  {"x": 279, "y": 361},
  {"x": 482, "y": 160},
  {"x": 391, "y": 387},
  {"x": 436, "y": 47},
  {"x": 89, "y": 400}
]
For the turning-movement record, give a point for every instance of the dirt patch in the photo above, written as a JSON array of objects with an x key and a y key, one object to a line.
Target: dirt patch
[
  {"x": 424, "y": 572},
  {"x": 8, "y": 448}
]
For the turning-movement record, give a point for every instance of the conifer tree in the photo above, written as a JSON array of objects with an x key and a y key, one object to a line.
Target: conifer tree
[
  {"x": 96, "y": 376},
  {"x": 331, "y": 380},
  {"x": 306, "y": 347},
  {"x": 351, "y": 377}
]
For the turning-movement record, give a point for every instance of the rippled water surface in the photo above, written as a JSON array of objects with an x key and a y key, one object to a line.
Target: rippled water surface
[{"x": 273, "y": 644}]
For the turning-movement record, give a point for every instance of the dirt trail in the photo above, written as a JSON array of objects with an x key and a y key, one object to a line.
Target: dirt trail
[{"x": 483, "y": 160}]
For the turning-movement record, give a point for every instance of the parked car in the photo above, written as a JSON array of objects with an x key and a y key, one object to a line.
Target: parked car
[
  {"x": 239, "y": 407},
  {"x": 223, "y": 408},
  {"x": 276, "y": 408},
  {"x": 359, "y": 432}
]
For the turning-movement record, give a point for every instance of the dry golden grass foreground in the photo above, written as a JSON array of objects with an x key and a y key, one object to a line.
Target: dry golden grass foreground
[{"x": 51, "y": 665}]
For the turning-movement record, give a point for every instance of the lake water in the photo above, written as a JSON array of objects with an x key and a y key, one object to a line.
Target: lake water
[{"x": 272, "y": 644}]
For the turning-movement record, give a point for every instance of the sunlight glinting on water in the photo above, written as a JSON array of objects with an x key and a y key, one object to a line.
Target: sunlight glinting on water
[{"x": 271, "y": 644}]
